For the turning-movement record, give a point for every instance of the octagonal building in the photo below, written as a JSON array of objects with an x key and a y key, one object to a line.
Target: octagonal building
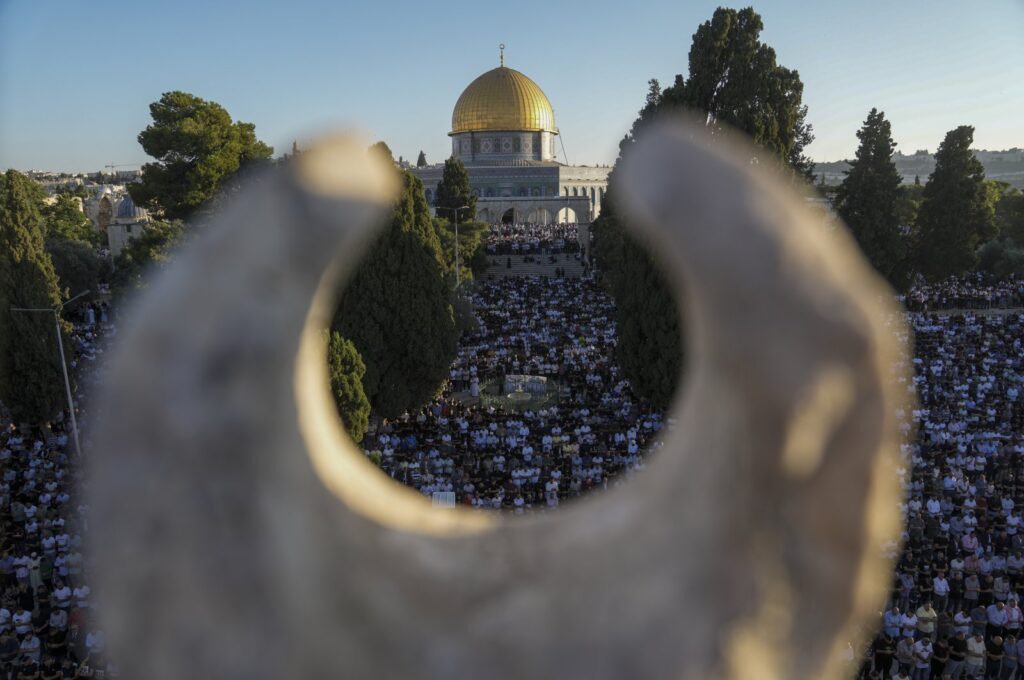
[{"x": 504, "y": 132}]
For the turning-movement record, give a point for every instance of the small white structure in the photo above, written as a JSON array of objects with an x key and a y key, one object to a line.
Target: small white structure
[{"x": 531, "y": 384}]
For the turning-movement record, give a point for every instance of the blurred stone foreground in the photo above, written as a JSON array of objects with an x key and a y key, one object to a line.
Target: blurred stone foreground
[{"x": 240, "y": 534}]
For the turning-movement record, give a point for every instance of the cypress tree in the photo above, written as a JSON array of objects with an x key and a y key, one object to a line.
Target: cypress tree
[
  {"x": 421, "y": 160},
  {"x": 734, "y": 80},
  {"x": 346, "y": 370},
  {"x": 869, "y": 197},
  {"x": 396, "y": 310},
  {"x": 31, "y": 380},
  {"x": 453, "y": 190},
  {"x": 957, "y": 213}
]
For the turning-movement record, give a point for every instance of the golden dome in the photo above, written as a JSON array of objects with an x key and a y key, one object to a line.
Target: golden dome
[{"x": 503, "y": 99}]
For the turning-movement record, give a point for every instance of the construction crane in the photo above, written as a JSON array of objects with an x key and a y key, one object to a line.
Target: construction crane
[{"x": 112, "y": 166}]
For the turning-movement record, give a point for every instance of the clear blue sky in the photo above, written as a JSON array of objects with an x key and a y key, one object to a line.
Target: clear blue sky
[{"x": 76, "y": 77}]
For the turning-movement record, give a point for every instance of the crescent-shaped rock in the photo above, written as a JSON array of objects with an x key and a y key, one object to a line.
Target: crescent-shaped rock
[{"x": 239, "y": 534}]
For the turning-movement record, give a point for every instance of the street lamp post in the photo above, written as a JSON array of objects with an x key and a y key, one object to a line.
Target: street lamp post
[
  {"x": 63, "y": 362},
  {"x": 455, "y": 220}
]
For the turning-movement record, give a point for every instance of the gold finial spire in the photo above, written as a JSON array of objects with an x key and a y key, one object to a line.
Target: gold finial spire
[{"x": 501, "y": 53}]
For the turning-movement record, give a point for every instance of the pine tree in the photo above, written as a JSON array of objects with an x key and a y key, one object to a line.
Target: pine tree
[
  {"x": 199, "y": 152},
  {"x": 346, "y": 371},
  {"x": 453, "y": 190},
  {"x": 869, "y": 197},
  {"x": 421, "y": 160},
  {"x": 396, "y": 310},
  {"x": 31, "y": 382},
  {"x": 957, "y": 213}
]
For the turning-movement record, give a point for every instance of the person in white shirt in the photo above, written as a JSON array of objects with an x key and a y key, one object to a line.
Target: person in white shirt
[
  {"x": 58, "y": 619},
  {"x": 940, "y": 591},
  {"x": 22, "y": 621},
  {"x": 82, "y": 594},
  {"x": 31, "y": 647},
  {"x": 922, "y": 658},
  {"x": 961, "y": 622},
  {"x": 975, "y": 661},
  {"x": 95, "y": 642},
  {"x": 908, "y": 622}
]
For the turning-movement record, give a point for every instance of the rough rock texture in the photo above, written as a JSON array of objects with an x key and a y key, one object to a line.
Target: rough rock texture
[{"x": 239, "y": 534}]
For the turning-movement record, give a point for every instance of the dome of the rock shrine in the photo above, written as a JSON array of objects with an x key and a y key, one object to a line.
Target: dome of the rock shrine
[{"x": 503, "y": 99}]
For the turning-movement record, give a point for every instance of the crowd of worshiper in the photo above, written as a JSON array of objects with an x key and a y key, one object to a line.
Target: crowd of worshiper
[
  {"x": 976, "y": 291},
  {"x": 589, "y": 436},
  {"x": 531, "y": 239},
  {"x": 955, "y": 609},
  {"x": 48, "y": 629}
]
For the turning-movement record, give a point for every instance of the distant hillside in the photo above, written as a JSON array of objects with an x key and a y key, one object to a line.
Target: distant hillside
[{"x": 1005, "y": 166}]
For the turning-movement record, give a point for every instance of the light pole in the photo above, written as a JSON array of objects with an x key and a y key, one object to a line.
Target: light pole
[
  {"x": 455, "y": 212},
  {"x": 63, "y": 362}
]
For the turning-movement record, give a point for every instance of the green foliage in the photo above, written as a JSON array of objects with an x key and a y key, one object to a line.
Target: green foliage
[
  {"x": 150, "y": 250},
  {"x": 199, "y": 150},
  {"x": 958, "y": 210},
  {"x": 1009, "y": 211},
  {"x": 870, "y": 201},
  {"x": 396, "y": 309},
  {"x": 79, "y": 267},
  {"x": 650, "y": 346},
  {"x": 65, "y": 220},
  {"x": 1002, "y": 257},
  {"x": 735, "y": 80},
  {"x": 453, "y": 191},
  {"x": 31, "y": 382},
  {"x": 421, "y": 160},
  {"x": 472, "y": 255},
  {"x": 384, "y": 150},
  {"x": 346, "y": 370}
]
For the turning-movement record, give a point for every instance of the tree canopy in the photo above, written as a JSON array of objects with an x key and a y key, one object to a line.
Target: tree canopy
[
  {"x": 453, "y": 191},
  {"x": 472, "y": 255},
  {"x": 734, "y": 80},
  {"x": 421, "y": 160},
  {"x": 65, "y": 220},
  {"x": 650, "y": 345},
  {"x": 198, "y": 148},
  {"x": 869, "y": 201},
  {"x": 384, "y": 150},
  {"x": 396, "y": 309},
  {"x": 77, "y": 264},
  {"x": 31, "y": 383},
  {"x": 346, "y": 371},
  {"x": 1009, "y": 213},
  {"x": 957, "y": 213},
  {"x": 150, "y": 250}
]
